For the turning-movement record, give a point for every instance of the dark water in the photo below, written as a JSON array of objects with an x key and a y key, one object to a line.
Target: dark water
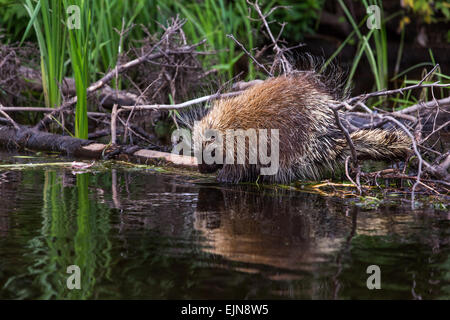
[{"x": 140, "y": 234}]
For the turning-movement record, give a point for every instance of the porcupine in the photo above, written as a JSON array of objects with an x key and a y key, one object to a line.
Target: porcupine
[{"x": 310, "y": 141}]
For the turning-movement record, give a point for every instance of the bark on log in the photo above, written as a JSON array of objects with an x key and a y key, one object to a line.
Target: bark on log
[{"x": 27, "y": 138}]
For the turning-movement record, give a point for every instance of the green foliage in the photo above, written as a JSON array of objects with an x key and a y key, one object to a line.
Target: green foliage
[
  {"x": 206, "y": 19},
  {"x": 429, "y": 10},
  {"x": 13, "y": 18},
  {"x": 443, "y": 7},
  {"x": 375, "y": 51},
  {"x": 407, "y": 100},
  {"x": 108, "y": 25},
  {"x": 79, "y": 49},
  {"x": 45, "y": 18},
  {"x": 300, "y": 16},
  {"x": 213, "y": 20}
]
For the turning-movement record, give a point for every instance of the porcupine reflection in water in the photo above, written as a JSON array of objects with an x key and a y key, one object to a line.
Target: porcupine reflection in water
[
  {"x": 267, "y": 228},
  {"x": 306, "y": 236}
]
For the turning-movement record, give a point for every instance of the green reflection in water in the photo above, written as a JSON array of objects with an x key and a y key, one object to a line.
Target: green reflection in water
[
  {"x": 74, "y": 232},
  {"x": 84, "y": 241}
]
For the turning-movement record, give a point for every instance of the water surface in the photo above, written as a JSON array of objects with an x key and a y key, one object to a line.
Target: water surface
[{"x": 139, "y": 234}]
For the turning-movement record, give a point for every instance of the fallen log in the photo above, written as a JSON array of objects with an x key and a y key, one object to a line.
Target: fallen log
[
  {"x": 27, "y": 138},
  {"x": 32, "y": 139}
]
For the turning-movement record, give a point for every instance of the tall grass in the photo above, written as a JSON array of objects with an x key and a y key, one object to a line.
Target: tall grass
[
  {"x": 89, "y": 52},
  {"x": 375, "y": 51},
  {"x": 108, "y": 24},
  {"x": 210, "y": 19},
  {"x": 45, "y": 18},
  {"x": 207, "y": 19},
  {"x": 79, "y": 46},
  {"x": 374, "y": 46},
  {"x": 213, "y": 20}
]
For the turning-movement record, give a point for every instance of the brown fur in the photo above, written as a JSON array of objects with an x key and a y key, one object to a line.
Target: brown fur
[{"x": 310, "y": 143}]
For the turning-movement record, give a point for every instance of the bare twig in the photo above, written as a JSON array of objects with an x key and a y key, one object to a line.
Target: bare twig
[
  {"x": 47, "y": 110},
  {"x": 425, "y": 105},
  {"x": 366, "y": 96},
  {"x": 249, "y": 54},
  {"x": 352, "y": 150},
  {"x": 182, "y": 105},
  {"x": 347, "y": 173},
  {"x": 279, "y": 52},
  {"x": 8, "y": 117},
  {"x": 114, "y": 115},
  {"x": 436, "y": 130}
]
